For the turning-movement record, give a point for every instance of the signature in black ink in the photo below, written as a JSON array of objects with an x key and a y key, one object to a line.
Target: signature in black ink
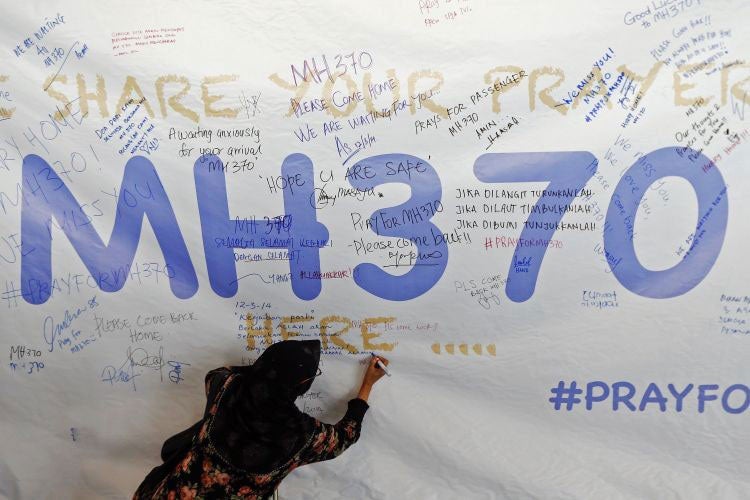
[{"x": 140, "y": 358}]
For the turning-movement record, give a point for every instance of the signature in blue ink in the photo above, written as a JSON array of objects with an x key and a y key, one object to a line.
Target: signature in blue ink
[
  {"x": 175, "y": 374},
  {"x": 52, "y": 331}
]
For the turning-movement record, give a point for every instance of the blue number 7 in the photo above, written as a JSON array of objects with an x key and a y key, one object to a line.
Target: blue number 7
[{"x": 567, "y": 173}]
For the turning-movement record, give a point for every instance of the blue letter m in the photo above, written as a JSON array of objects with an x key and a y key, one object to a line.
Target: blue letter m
[{"x": 108, "y": 264}]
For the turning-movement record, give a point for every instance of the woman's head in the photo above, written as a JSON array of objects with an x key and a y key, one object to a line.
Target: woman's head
[{"x": 289, "y": 366}]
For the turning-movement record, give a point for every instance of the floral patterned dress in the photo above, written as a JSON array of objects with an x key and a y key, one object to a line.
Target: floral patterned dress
[{"x": 205, "y": 473}]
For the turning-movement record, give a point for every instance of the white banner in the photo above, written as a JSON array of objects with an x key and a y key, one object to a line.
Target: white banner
[{"x": 537, "y": 212}]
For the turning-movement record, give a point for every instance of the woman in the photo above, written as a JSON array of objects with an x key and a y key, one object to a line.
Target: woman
[{"x": 252, "y": 434}]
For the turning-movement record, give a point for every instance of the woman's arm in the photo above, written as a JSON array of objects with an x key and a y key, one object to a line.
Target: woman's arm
[
  {"x": 330, "y": 440},
  {"x": 372, "y": 375}
]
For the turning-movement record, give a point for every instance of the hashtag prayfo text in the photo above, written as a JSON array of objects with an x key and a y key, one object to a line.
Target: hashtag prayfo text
[{"x": 661, "y": 397}]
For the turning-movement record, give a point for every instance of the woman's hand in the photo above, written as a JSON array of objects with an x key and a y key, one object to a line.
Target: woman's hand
[{"x": 372, "y": 375}]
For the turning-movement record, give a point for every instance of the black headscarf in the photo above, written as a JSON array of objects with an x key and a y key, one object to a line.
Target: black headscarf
[{"x": 257, "y": 425}]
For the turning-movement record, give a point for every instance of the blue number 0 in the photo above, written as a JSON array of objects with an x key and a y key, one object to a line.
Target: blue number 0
[{"x": 708, "y": 238}]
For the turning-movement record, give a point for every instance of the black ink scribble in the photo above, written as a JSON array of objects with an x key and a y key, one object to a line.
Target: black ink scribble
[
  {"x": 251, "y": 274},
  {"x": 61, "y": 66},
  {"x": 140, "y": 358}
]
